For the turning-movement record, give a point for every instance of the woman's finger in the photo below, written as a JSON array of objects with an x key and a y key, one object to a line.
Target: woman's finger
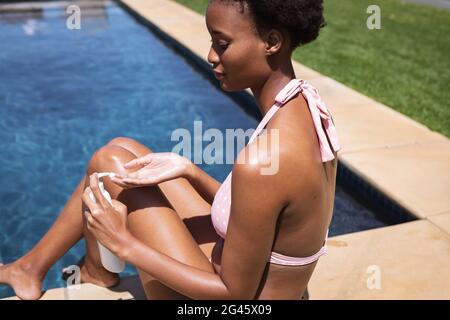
[
  {"x": 132, "y": 175},
  {"x": 87, "y": 199},
  {"x": 119, "y": 206},
  {"x": 130, "y": 165},
  {"x": 121, "y": 183},
  {"x": 138, "y": 162},
  {"x": 145, "y": 173},
  {"x": 99, "y": 197},
  {"x": 97, "y": 213},
  {"x": 140, "y": 182},
  {"x": 90, "y": 219},
  {"x": 91, "y": 226}
]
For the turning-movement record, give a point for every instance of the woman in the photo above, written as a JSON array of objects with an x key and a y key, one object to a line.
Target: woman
[{"x": 170, "y": 219}]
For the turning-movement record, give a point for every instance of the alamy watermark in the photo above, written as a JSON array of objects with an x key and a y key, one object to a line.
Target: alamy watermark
[
  {"x": 73, "y": 281},
  {"x": 73, "y": 21},
  {"x": 221, "y": 149},
  {"x": 374, "y": 20},
  {"x": 373, "y": 281}
]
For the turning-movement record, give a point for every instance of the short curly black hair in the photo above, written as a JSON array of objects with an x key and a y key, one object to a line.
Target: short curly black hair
[{"x": 301, "y": 19}]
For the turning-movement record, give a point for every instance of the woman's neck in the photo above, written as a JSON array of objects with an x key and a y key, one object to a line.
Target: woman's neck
[{"x": 266, "y": 92}]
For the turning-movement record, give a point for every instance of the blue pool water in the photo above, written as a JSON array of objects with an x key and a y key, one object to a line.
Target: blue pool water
[{"x": 65, "y": 93}]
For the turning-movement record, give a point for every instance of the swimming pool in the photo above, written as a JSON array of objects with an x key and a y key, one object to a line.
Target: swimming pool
[{"x": 64, "y": 93}]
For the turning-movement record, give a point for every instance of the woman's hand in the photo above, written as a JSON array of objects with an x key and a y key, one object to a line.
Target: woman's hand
[
  {"x": 153, "y": 169},
  {"x": 108, "y": 223}
]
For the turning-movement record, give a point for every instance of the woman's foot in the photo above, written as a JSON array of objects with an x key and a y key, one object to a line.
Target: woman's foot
[
  {"x": 26, "y": 280},
  {"x": 97, "y": 275},
  {"x": 23, "y": 279}
]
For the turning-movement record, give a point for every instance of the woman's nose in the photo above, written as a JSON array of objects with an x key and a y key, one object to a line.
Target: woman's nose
[{"x": 213, "y": 57}]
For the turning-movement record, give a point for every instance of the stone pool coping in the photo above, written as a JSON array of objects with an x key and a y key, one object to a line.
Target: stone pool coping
[{"x": 399, "y": 157}]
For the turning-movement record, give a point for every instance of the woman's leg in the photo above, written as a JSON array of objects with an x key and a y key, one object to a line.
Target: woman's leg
[
  {"x": 26, "y": 274},
  {"x": 153, "y": 220}
]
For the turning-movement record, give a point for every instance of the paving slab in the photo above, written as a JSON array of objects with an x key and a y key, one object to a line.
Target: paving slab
[
  {"x": 442, "y": 221},
  {"x": 415, "y": 176},
  {"x": 406, "y": 261}
]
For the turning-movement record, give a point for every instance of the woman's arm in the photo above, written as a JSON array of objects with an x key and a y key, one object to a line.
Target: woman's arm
[
  {"x": 187, "y": 280},
  {"x": 202, "y": 182},
  {"x": 155, "y": 168}
]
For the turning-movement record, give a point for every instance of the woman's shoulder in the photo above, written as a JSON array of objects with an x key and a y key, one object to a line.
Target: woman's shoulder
[
  {"x": 271, "y": 164},
  {"x": 287, "y": 152}
]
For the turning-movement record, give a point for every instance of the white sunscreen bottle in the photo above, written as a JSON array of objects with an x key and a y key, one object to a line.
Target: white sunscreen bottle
[{"x": 111, "y": 262}]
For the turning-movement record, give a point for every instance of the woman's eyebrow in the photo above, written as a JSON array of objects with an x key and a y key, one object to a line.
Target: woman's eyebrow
[{"x": 218, "y": 32}]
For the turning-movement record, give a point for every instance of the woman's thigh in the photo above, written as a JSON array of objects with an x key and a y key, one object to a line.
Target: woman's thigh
[{"x": 155, "y": 223}]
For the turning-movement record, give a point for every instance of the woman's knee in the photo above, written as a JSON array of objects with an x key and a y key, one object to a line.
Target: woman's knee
[
  {"x": 109, "y": 157},
  {"x": 120, "y": 141},
  {"x": 130, "y": 144}
]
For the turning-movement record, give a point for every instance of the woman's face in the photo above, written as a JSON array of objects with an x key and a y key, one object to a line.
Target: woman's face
[{"x": 237, "y": 52}]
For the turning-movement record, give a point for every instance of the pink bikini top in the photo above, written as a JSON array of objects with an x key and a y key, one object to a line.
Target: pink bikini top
[{"x": 220, "y": 210}]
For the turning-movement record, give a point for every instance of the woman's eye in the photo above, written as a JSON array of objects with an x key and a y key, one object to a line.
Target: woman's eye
[{"x": 221, "y": 45}]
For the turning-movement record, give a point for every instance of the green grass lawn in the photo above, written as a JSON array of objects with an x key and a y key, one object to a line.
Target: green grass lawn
[{"x": 405, "y": 65}]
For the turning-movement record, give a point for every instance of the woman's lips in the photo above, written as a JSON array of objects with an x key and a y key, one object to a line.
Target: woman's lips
[{"x": 219, "y": 75}]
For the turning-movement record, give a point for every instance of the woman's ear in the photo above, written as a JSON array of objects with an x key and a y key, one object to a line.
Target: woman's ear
[{"x": 274, "y": 40}]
